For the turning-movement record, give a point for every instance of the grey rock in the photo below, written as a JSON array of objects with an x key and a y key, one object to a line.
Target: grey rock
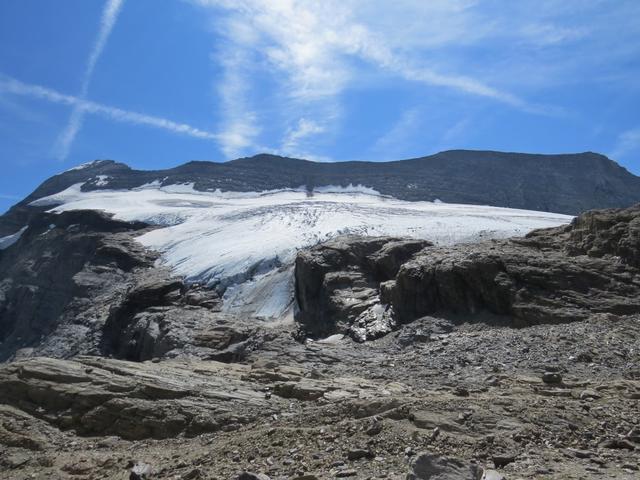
[
  {"x": 252, "y": 476},
  {"x": 58, "y": 283},
  {"x": 337, "y": 285},
  {"x": 346, "y": 473},
  {"x": 617, "y": 444},
  {"x": 359, "y": 453},
  {"x": 193, "y": 474},
  {"x": 133, "y": 400},
  {"x": 547, "y": 277},
  {"x": 427, "y": 466},
  {"x": 578, "y": 453},
  {"x": 552, "y": 378},
  {"x": 86, "y": 286},
  {"x": 501, "y": 461},
  {"x": 554, "y": 275}
]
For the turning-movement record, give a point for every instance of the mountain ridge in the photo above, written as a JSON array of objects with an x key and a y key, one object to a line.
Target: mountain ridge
[{"x": 560, "y": 183}]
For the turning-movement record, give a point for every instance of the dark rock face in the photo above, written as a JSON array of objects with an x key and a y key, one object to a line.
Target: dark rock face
[
  {"x": 551, "y": 276},
  {"x": 607, "y": 233},
  {"x": 337, "y": 284},
  {"x": 555, "y": 183},
  {"x": 61, "y": 277},
  {"x": 556, "y": 275},
  {"x": 79, "y": 283}
]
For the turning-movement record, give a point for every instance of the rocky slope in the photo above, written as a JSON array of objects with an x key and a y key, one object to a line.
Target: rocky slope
[
  {"x": 550, "y": 276},
  {"x": 554, "y": 183},
  {"x": 504, "y": 359},
  {"x": 552, "y": 401},
  {"x": 79, "y": 283}
]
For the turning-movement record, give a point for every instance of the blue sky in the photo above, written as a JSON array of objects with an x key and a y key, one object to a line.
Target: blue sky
[{"x": 155, "y": 84}]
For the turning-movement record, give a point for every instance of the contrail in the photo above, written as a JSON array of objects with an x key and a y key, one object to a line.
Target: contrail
[
  {"x": 16, "y": 87},
  {"x": 108, "y": 20}
]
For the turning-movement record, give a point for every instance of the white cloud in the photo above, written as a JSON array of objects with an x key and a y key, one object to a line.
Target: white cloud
[
  {"x": 627, "y": 142},
  {"x": 317, "y": 50},
  {"x": 313, "y": 43},
  {"x": 455, "y": 131},
  {"x": 304, "y": 129},
  {"x": 388, "y": 145},
  {"x": 239, "y": 127},
  {"x": 109, "y": 16},
  {"x": 13, "y": 86}
]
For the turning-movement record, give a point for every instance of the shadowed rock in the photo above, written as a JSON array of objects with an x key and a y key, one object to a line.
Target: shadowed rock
[{"x": 338, "y": 282}]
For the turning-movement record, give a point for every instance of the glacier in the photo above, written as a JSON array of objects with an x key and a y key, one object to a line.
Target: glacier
[{"x": 244, "y": 243}]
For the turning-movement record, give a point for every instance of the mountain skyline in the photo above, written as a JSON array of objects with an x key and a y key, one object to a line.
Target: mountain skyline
[
  {"x": 563, "y": 184},
  {"x": 154, "y": 85}
]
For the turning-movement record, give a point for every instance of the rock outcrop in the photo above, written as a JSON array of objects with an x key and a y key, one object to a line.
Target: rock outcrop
[
  {"x": 79, "y": 283},
  {"x": 98, "y": 396},
  {"x": 555, "y": 275},
  {"x": 337, "y": 285},
  {"x": 427, "y": 466},
  {"x": 61, "y": 277}
]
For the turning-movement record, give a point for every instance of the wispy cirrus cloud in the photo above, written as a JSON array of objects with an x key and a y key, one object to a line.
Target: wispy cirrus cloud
[
  {"x": 107, "y": 22},
  {"x": 398, "y": 135},
  {"x": 239, "y": 124},
  {"x": 627, "y": 142},
  {"x": 304, "y": 129},
  {"x": 319, "y": 50},
  {"x": 15, "y": 87}
]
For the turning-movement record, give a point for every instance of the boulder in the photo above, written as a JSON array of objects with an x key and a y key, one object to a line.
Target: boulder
[{"x": 427, "y": 466}]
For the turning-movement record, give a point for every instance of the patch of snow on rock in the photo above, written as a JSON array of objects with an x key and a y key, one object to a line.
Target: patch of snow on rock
[
  {"x": 348, "y": 189},
  {"x": 6, "y": 242},
  {"x": 102, "y": 180},
  {"x": 86, "y": 165}
]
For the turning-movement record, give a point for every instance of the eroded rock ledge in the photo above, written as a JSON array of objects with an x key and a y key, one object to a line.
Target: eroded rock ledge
[
  {"x": 550, "y": 276},
  {"x": 78, "y": 283}
]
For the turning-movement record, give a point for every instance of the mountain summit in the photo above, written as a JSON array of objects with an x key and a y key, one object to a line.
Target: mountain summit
[{"x": 568, "y": 183}]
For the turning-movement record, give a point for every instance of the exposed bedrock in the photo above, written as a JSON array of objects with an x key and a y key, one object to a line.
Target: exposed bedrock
[
  {"x": 61, "y": 277},
  {"x": 550, "y": 276},
  {"x": 79, "y": 283},
  {"x": 132, "y": 400},
  {"x": 337, "y": 284}
]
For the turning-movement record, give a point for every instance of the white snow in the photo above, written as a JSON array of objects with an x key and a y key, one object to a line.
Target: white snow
[
  {"x": 154, "y": 184},
  {"x": 102, "y": 180},
  {"x": 82, "y": 166},
  {"x": 6, "y": 242},
  {"x": 348, "y": 189},
  {"x": 244, "y": 243}
]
